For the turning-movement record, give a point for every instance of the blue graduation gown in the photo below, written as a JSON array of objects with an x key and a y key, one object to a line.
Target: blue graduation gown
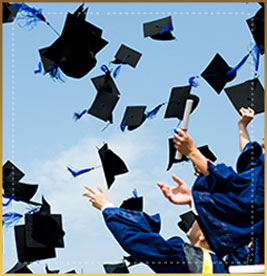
[
  {"x": 138, "y": 234},
  {"x": 230, "y": 204}
]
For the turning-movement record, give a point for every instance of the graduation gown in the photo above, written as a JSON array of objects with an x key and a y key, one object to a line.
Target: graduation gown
[
  {"x": 138, "y": 234},
  {"x": 230, "y": 204}
]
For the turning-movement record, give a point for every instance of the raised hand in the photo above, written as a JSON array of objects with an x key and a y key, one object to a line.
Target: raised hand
[{"x": 180, "y": 194}]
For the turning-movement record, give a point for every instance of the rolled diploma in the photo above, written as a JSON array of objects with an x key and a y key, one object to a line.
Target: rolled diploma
[{"x": 187, "y": 111}]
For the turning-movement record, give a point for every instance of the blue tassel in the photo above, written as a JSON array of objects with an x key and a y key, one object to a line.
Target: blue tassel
[
  {"x": 135, "y": 193},
  {"x": 11, "y": 218},
  {"x": 77, "y": 173},
  {"x": 118, "y": 68},
  {"x": 167, "y": 28},
  {"x": 232, "y": 72},
  {"x": 10, "y": 198},
  {"x": 104, "y": 68},
  {"x": 151, "y": 114},
  {"x": 192, "y": 81},
  {"x": 123, "y": 124},
  {"x": 55, "y": 72},
  {"x": 78, "y": 116},
  {"x": 39, "y": 70},
  {"x": 256, "y": 58}
]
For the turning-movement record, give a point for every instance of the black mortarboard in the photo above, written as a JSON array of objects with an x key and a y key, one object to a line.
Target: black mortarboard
[
  {"x": 116, "y": 268},
  {"x": 187, "y": 220},
  {"x": 45, "y": 207},
  {"x": 12, "y": 186},
  {"x": 132, "y": 261},
  {"x": 27, "y": 254},
  {"x": 172, "y": 153},
  {"x": 256, "y": 26},
  {"x": 247, "y": 94},
  {"x": 133, "y": 203},
  {"x": 11, "y": 173},
  {"x": 177, "y": 101},
  {"x": 105, "y": 83},
  {"x": 43, "y": 230},
  {"x": 48, "y": 271},
  {"x": 159, "y": 29},
  {"x": 47, "y": 63},
  {"x": 81, "y": 12},
  {"x": 71, "y": 272},
  {"x": 20, "y": 268},
  {"x": 207, "y": 153},
  {"x": 134, "y": 117},
  {"x": 10, "y": 11},
  {"x": 216, "y": 73},
  {"x": 126, "y": 55},
  {"x": 74, "y": 51},
  {"x": 103, "y": 106},
  {"x": 112, "y": 164}
]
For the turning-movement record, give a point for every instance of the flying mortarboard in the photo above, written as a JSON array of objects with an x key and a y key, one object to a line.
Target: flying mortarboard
[
  {"x": 74, "y": 51},
  {"x": 116, "y": 268},
  {"x": 247, "y": 94},
  {"x": 103, "y": 106},
  {"x": 172, "y": 153},
  {"x": 187, "y": 220},
  {"x": 133, "y": 203},
  {"x": 256, "y": 26},
  {"x": 27, "y": 254},
  {"x": 207, "y": 153},
  {"x": 112, "y": 164},
  {"x": 15, "y": 189},
  {"x": 43, "y": 229},
  {"x": 105, "y": 83},
  {"x": 71, "y": 272},
  {"x": 216, "y": 73},
  {"x": 159, "y": 29},
  {"x": 134, "y": 117},
  {"x": 20, "y": 268},
  {"x": 177, "y": 101},
  {"x": 10, "y": 11},
  {"x": 126, "y": 55}
]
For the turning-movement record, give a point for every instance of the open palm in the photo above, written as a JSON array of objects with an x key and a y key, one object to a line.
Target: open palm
[{"x": 180, "y": 194}]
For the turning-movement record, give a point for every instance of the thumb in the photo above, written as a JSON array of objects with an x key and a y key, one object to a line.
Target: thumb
[{"x": 177, "y": 180}]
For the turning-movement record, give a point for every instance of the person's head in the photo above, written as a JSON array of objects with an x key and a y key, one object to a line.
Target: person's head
[{"x": 196, "y": 236}]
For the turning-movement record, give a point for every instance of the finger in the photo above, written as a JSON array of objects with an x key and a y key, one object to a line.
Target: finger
[
  {"x": 88, "y": 195},
  {"x": 90, "y": 189},
  {"x": 177, "y": 180},
  {"x": 251, "y": 110},
  {"x": 100, "y": 189}
]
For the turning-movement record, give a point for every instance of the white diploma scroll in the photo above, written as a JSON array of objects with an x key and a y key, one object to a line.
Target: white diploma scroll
[{"x": 187, "y": 111}]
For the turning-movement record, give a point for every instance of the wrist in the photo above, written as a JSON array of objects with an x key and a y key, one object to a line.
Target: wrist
[{"x": 194, "y": 152}]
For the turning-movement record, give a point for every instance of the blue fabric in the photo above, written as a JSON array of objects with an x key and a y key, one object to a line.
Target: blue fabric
[
  {"x": 230, "y": 204},
  {"x": 138, "y": 234}
]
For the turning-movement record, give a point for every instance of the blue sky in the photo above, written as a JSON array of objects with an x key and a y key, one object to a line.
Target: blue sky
[{"x": 41, "y": 138}]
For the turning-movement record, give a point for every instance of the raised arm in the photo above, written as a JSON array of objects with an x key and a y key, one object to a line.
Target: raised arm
[
  {"x": 247, "y": 115},
  {"x": 184, "y": 143}
]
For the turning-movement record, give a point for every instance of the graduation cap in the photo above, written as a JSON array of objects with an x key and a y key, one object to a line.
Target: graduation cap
[
  {"x": 207, "y": 153},
  {"x": 256, "y": 26},
  {"x": 81, "y": 12},
  {"x": 187, "y": 220},
  {"x": 43, "y": 229},
  {"x": 10, "y": 11},
  {"x": 126, "y": 55},
  {"x": 134, "y": 117},
  {"x": 133, "y": 203},
  {"x": 132, "y": 261},
  {"x": 14, "y": 189},
  {"x": 71, "y": 272},
  {"x": 74, "y": 51},
  {"x": 247, "y": 94},
  {"x": 28, "y": 254},
  {"x": 103, "y": 106},
  {"x": 159, "y": 29},
  {"x": 116, "y": 268},
  {"x": 48, "y": 271},
  {"x": 105, "y": 83},
  {"x": 177, "y": 101},
  {"x": 172, "y": 153},
  {"x": 112, "y": 164},
  {"x": 20, "y": 268}
]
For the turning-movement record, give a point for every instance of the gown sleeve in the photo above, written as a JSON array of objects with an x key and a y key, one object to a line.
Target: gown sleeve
[{"x": 138, "y": 234}]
